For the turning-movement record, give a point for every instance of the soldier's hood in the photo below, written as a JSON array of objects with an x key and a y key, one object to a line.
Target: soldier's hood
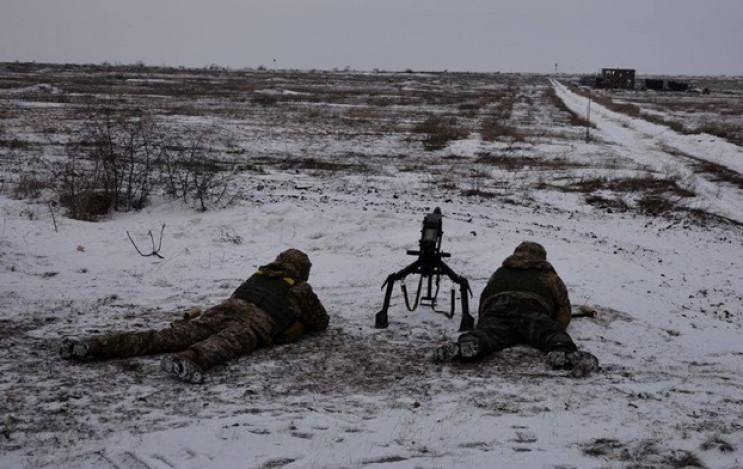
[
  {"x": 528, "y": 255},
  {"x": 290, "y": 263}
]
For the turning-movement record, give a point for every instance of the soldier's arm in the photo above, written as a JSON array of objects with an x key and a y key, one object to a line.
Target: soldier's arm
[
  {"x": 307, "y": 307},
  {"x": 292, "y": 334},
  {"x": 562, "y": 302}
]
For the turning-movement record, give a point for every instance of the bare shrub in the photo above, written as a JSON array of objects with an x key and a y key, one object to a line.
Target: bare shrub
[
  {"x": 87, "y": 205},
  {"x": 730, "y": 132},
  {"x": 610, "y": 205},
  {"x": 324, "y": 165},
  {"x": 515, "y": 163},
  {"x": 362, "y": 113},
  {"x": 655, "y": 204},
  {"x": 265, "y": 99},
  {"x": 439, "y": 131},
  {"x": 647, "y": 184},
  {"x": 30, "y": 186},
  {"x": 120, "y": 156},
  {"x": 717, "y": 442},
  {"x": 660, "y": 120},
  {"x": 495, "y": 128},
  {"x": 76, "y": 185},
  {"x": 190, "y": 171},
  {"x": 475, "y": 192},
  {"x": 646, "y": 453},
  {"x": 469, "y": 109},
  {"x": 112, "y": 156},
  {"x": 650, "y": 184}
]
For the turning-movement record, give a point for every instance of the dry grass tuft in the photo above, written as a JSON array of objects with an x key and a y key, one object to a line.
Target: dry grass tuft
[{"x": 439, "y": 131}]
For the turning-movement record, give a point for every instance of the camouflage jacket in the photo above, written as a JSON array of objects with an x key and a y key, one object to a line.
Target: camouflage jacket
[
  {"x": 293, "y": 266},
  {"x": 529, "y": 276}
]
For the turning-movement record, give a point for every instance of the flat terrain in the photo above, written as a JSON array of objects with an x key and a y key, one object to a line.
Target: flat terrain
[{"x": 639, "y": 209}]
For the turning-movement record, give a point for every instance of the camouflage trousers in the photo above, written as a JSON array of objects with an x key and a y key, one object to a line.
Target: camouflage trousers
[
  {"x": 221, "y": 333},
  {"x": 511, "y": 322}
]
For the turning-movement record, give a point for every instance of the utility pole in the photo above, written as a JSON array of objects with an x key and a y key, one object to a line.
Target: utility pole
[{"x": 588, "y": 118}]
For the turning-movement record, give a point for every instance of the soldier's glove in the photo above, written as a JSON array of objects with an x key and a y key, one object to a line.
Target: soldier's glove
[
  {"x": 192, "y": 313},
  {"x": 292, "y": 334}
]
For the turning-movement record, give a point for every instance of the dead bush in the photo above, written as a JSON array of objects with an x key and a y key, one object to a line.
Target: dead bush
[
  {"x": 88, "y": 205},
  {"x": 650, "y": 184},
  {"x": 730, "y": 132},
  {"x": 439, "y": 131},
  {"x": 189, "y": 169},
  {"x": 653, "y": 204},
  {"x": 30, "y": 186},
  {"x": 717, "y": 442},
  {"x": 496, "y": 128},
  {"x": 323, "y": 165},
  {"x": 646, "y": 184},
  {"x": 478, "y": 193},
  {"x": 114, "y": 153},
  {"x": 720, "y": 172},
  {"x": 515, "y": 163},
  {"x": 660, "y": 120},
  {"x": 265, "y": 99},
  {"x": 121, "y": 155},
  {"x": 610, "y": 205},
  {"x": 362, "y": 113}
]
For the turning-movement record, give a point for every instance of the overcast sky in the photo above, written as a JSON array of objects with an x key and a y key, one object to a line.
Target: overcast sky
[{"x": 693, "y": 37}]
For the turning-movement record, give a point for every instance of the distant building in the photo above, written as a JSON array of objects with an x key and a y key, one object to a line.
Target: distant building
[
  {"x": 616, "y": 78},
  {"x": 677, "y": 85},
  {"x": 655, "y": 84},
  {"x": 659, "y": 84}
]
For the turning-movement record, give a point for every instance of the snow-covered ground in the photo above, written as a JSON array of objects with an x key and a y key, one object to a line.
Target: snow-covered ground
[{"x": 669, "y": 394}]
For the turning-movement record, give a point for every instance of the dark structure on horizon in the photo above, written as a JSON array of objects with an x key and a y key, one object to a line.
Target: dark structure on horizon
[
  {"x": 616, "y": 78},
  {"x": 659, "y": 84}
]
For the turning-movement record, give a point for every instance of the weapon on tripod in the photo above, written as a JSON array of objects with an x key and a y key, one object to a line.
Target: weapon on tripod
[{"x": 428, "y": 265}]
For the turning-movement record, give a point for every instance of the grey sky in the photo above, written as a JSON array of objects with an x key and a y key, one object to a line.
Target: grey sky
[{"x": 652, "y": 36}]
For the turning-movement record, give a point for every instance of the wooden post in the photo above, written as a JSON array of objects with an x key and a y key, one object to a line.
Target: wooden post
[{"x": 588, "y": 118}]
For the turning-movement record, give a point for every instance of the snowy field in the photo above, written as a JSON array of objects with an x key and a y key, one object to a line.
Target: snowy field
[{"x": 332, "y": 163}]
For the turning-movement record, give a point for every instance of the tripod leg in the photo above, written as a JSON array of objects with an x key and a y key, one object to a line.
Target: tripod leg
[
  {"x": 468, "y": 322},
  {"x": 381, "y": 320}
]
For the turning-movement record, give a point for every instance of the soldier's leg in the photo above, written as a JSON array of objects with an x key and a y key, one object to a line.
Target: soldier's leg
[
  {"x": 542, "y": 332},
  {"x": 546, "y": 335},
  {"x": 235, "y": 339},
  {"x": 492, "y": 333},
  {"x": 175, "y": 338},
  {"x": 179, "y": 336}
]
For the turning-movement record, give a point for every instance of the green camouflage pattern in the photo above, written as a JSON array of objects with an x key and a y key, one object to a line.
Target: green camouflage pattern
[
  {"x": 232, "y": 328},
  {"x": 507, "y": 325},
  {"x": 524, "y": 302},
  {"x": 291, "y": 263},
  {"x": 528, "y": 275}
]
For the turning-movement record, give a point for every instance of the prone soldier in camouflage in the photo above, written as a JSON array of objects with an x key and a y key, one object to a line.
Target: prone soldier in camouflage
[
  {"x": 524, "y": 302},
  {"x": 274, "y": 305}
]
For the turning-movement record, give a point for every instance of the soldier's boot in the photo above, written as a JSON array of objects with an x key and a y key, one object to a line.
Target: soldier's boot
[
  {"x": 74, "y": 349},
  {"x": 446, "y": 353},
  {"x": 581, "y": 363},
  {"x": 558, "y": 359},
  {"x": 467, "y": 347},
  {"x": 183, "y": 369}
]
